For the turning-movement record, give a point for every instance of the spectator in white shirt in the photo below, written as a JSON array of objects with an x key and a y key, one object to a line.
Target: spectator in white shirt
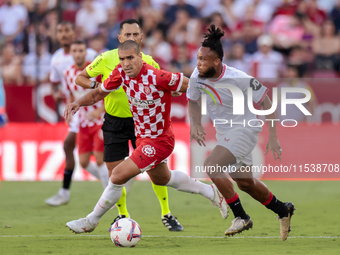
[
  {"x": 266, "y": 63},
  {"x": 88, "y": 19},
  {"x": 13, "y": 18},
  {"x": 36, "y": 65}
]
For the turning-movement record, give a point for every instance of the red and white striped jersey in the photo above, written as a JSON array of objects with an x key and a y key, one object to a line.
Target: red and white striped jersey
[
  {"x": 70, "y": 75},
  {"x": 149, "y": 96}
]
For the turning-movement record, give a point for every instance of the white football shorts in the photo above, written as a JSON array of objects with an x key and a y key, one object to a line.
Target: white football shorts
[{"x": 240, "y": 142}]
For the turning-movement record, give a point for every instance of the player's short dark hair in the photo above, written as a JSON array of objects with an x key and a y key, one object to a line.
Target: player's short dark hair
[
  {"x": 68, "y": 23},
  {"x": 128, "y": 21},
  {"x": 129, "y": 44},
  {"x": 213, "y": 40},
  {"x": 78, "y": 42}
]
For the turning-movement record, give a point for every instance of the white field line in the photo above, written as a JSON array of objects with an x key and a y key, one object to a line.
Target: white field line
[{"x": 160, "y": 236}]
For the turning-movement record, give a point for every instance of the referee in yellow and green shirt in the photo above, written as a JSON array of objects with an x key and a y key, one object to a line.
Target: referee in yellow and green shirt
[{"x": 118, "y": 127}]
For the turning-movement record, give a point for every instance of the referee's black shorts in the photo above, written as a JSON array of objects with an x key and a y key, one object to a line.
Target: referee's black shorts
[{"x": 117, "y": 133}]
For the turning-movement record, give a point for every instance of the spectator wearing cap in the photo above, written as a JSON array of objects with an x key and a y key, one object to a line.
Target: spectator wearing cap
[{"x": 266, "y": 63}]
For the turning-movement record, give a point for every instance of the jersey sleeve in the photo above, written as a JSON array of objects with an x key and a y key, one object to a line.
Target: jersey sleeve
[
  {"x": 97, "y": 67},
  {"x": 54, "y": 75},
  {"x": 193, "y": 93},
  {"x": 113, "y": 82},
  {"x": 169, "y": 81},
  {"x": 259, "y": 91}
]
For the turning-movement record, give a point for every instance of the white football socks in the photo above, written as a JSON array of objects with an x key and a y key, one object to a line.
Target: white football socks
[
  {"x": 93, "y": 169},
  {"x": 182, "y": 182},
  {"x": 100, "y": 172},
  {"x": 103, "y": 174},
  {"x": 110, "y": 196}
]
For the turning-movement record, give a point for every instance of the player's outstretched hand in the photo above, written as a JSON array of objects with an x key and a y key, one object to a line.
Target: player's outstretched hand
[
  {"x": 70, "y": 110},
  {"x": 197, "y": 132},
  {"x": 274, "y": 145}
]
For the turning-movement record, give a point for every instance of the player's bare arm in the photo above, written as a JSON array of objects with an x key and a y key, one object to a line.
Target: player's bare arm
[
  {"x": 183, "y": 88},
  {"x": 272, "y": 144},
  {"x": 56, "y": 92},
  {"x": 83, "y": 80},
  {"x": 185, "y": 84},
  {"x": 70, "y": 99},
  {"x": 197, "y": 131},
  {"x": 89, "y": 99}
]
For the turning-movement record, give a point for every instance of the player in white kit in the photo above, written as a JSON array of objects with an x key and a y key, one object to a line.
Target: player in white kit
[
  {"x": 90, "y": 136},
  {"x": 236, "y": 138},
  {"x": 61, "y": 60}
]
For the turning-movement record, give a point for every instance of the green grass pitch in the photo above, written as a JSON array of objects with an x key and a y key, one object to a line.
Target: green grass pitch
[{"x": 29, "y": 226}]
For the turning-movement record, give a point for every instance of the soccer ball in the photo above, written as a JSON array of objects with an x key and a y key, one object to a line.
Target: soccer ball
[{"x": 125, "y": 233}]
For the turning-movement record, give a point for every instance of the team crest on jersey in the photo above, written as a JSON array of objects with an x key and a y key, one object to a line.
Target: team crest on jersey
[
  {"x": 147, "y": 90},
  {"x": 174, "y": 79},
  {"x": 149, "y": 150}
]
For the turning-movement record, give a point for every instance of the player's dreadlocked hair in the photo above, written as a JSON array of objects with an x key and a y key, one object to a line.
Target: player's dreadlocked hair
[{"x": 213, "y": 40}]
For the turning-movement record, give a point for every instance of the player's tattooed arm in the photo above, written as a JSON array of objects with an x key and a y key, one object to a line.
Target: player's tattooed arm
[
  {"x": 88, "y": 99},
  {"x": 273, "y": 144}
]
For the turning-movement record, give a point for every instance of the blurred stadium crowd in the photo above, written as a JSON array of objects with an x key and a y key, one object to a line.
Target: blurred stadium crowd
[{"x": 265, "y": 38}]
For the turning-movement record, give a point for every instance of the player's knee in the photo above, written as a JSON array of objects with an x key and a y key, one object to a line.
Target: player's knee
[
  {"x": 245, "y": 184},
  {"x": 84, "y": 162},
  {"x": 118, "y": 179},
  {"x": 99, "y": 161}
]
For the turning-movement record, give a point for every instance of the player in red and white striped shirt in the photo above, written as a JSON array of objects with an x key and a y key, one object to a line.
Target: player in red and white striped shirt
[
  {"x": 149, "y": 94},
  {"x": 90, "y": 136}
]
